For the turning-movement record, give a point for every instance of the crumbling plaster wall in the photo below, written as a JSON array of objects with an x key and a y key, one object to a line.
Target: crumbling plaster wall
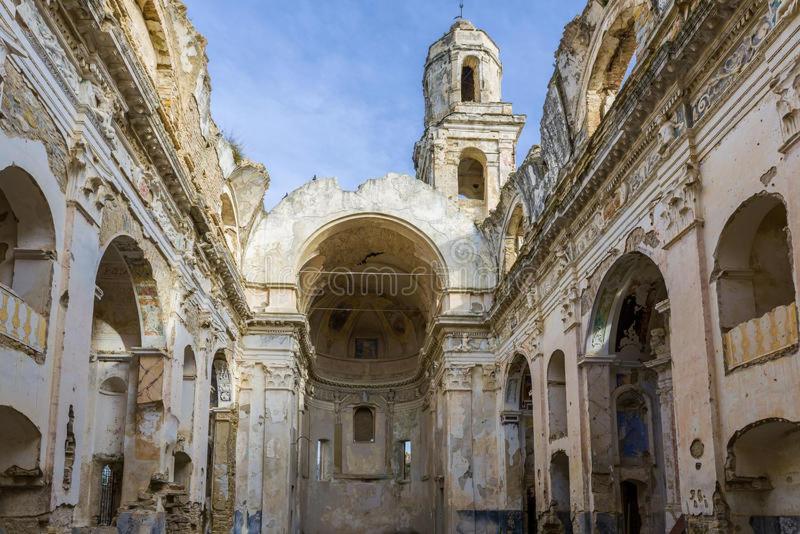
[
  {"x": 722, "y": 140},
  {"x": 71, "y": 134},
  {"x": 370, "y": 497},
  {"x": 277, "y": 245}
]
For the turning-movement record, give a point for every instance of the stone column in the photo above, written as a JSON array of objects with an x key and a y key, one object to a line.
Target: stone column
[
  {"x": 142, "y": 475},
  {"x": 223, "y": 469},
  {"x": 672, "y": 502},
  {"x": 596, "y": 379},
  {"x": 280, "y": 407},
  {"x": 250, "y": 446},
  {"x": 459, "y": 484},
  {"x": 514, "y": 457},
  {"x": 680, "y": 225}
]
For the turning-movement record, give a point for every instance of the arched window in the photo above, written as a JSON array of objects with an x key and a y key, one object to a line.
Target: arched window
[
  {"x": 472, "y": 175},
  {"x": 557, "y": 396},
  {"x": 220, "y": 390},
  {"x": 27, "y": 253},
  {"x": 363, "y": 425},
  {"x": 755, "y": 289},
  {"x": 470, "y": 81},
  {"x": 229, "y": 224},
  {"x": 19, "y": 445},
  {"x": 515, "y": 234}
]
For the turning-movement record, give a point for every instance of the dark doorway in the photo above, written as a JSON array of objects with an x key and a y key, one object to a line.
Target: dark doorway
[
  {"x": 530, "y": 509},
  {"x": 632, "y": 521}
]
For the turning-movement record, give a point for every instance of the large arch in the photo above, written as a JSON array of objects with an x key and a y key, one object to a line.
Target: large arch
[
  {"x": 127, "y": 341},
  {"x": 275, "y": 249},
  {"x": 638, "y": 279},
  {"x": 369, "y": 285},
  {"x": 629, "y": 332},
  {"x": 124, "y": 262}
]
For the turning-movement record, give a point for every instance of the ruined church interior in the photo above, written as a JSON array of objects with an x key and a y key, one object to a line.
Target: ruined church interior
[{"x": 594, "y": 334}]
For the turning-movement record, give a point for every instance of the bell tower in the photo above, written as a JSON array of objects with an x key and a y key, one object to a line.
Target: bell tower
[{"x": 468, "y": 147}]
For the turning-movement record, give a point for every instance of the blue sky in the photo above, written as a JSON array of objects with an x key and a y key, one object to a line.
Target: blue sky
[{"x": 334, "y": 87}]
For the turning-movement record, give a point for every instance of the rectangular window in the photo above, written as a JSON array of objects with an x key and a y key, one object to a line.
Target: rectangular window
[
  {"x": 366, "y": 348},
  {"x": 323, "y": 454},
  {"x": 405, "y": 459},
  {"x": 363, "y": 425}
]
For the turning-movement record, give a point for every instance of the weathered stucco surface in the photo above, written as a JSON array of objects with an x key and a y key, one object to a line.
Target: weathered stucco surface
[{"x": 604, "y": 339}]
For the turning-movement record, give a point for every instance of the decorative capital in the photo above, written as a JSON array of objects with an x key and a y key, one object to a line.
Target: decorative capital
[
  {"x": 457, "y": 377},
  {"x": 490, "y": 382},
  {"x": 280, "y": 377}
]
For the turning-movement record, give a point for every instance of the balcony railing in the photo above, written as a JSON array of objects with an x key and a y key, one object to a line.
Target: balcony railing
[
  {"x": 768, "y": 335},
  {"x": 20, "y": 323}
]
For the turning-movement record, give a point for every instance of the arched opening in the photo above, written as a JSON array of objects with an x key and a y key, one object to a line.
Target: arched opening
[
  {"x": 514, "y": 238},
  {"x": 472, "y": 175},
  {"x": 21, "y": 478},
  {"x": 116, "y": 326},
  {"x": 363, "y": 425},
  {"x": 126, "y": 317},
  {"x": 110, "y": 415},
  {"x": 763, "y": 490},
  {"x": 614, "y": 61},
  {"x": 557, "y": 396},
  {"x": 624, "y": 317},
  {"x": 109, "y": 419},
  {"x": 369, "y": 288},
  {"x": 218, "y": 477},
  {"x": 517, "y": 421},
  {"x": 220, "y": 390},
  {"x": 182, "y": 469},
  {"x": 19, "y": 447},
  {"x": 753, "y": 278},
  {"x": 188, "y": 386},
  {"x": 470, "y": 81},
  {"x": 630, "y": 325},
  {"x": 27, "y": 253},
  {"x": 560, "y": 489}
]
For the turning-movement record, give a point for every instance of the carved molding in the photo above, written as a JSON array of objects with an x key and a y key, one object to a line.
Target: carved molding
[
  {"x": 457, "y": 377},
  {"x": 283, "y": 377}
]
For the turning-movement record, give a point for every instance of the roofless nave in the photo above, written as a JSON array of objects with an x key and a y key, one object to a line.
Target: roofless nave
[{"x": 603, "y": 339}]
